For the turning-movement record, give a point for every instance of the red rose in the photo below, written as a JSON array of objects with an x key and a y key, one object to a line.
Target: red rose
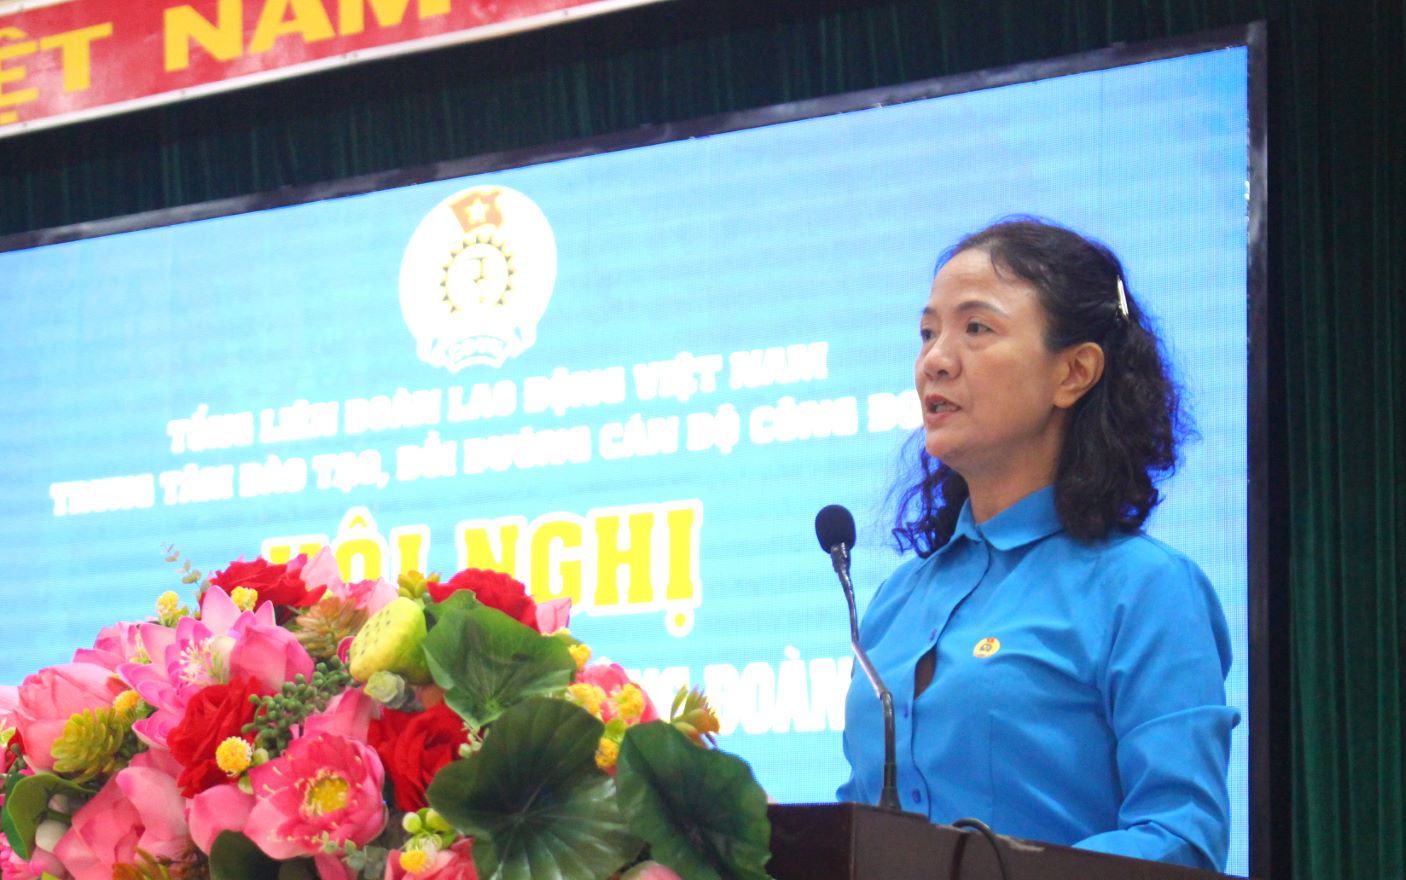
[
  {"x": 414, "y": 746},
  {"x": 494, "y": 589},
  {"x": 279, "y": 584},
  {"x": 212, "y": 716}
]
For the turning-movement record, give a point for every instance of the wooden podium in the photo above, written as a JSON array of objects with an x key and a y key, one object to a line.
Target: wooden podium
[{"x": 845, "y": 841}]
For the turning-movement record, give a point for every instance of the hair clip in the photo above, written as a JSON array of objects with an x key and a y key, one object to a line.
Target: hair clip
[{"x": 1122, "y": 298}]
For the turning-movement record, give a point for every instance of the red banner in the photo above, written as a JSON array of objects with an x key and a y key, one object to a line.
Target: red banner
[{"x": 72, "y": 60}]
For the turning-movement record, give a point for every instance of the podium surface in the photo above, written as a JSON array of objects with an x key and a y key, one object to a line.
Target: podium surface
[{"x": 843, "y": 841}]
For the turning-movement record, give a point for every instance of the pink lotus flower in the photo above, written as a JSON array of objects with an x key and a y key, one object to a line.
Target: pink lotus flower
[
  {"x": 115, "y": 645},
  {"x": 223, "y": 643},
  {"x": 553, "y": 615},
  {"x": 183, "y": 660},
  {"x": 348, "y": 715},
  {"x": 325, "y": 787},
  {"x": 222, "y": 808},
  {"x": 138, "y": 809},
  {"x": 270, "y": 655},
  {"x": 9, "y": 704},
  {"x": 12, "y": 867},
  {"x": 455, "y": 863},
  {"x": 50, "y": 697},
  {"x": 369, "y": 596}
]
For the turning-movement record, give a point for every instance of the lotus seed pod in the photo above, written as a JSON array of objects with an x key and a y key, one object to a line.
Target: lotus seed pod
[{"x": 393, "y": 640}]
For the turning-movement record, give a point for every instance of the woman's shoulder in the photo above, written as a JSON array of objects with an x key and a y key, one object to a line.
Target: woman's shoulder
[
  {"x": 1141, "y": 576},
  {"x": 1116, "y": 564},
  {"x": 1137, "y": 556}
]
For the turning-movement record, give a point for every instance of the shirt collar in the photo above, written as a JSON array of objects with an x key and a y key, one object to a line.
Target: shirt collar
[{"x": 1026, "y": 521}]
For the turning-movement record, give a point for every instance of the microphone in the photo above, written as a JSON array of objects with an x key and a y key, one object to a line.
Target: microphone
[{"x": 834, "y": 527}]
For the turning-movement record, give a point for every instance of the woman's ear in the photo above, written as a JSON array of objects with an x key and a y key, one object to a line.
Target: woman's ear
[{"x": 1081, "y": 366}]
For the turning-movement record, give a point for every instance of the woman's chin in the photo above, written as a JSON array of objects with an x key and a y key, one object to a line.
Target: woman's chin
[{"x": 942, "y": 449}]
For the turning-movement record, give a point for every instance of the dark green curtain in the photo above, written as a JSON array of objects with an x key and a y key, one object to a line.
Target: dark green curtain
[
  {"x": 1336, "y": 267},
  {"x": 1340, "y": 180}
]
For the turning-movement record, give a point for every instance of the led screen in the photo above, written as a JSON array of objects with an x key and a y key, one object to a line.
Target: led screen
[{"x": 630, "y": 378}]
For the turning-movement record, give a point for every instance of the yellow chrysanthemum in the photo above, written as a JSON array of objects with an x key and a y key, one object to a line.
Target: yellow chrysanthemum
[
  {"x": 234, "y": 756},
  {"x": 126, "y": 702},
  {"x": 629, "y": 703},
  {"x": 244, "y": 598},
  {"x": 581, "y": 654},
  {"x": 588, "y": 696},
  {"x": 168, "y": 603},
  {"x": 413, "y": 861},
  {"x": 607, "y": 754}
]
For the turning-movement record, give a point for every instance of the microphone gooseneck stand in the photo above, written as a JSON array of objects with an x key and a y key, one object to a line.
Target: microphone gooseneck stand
[{"x": 888, "y": 796}]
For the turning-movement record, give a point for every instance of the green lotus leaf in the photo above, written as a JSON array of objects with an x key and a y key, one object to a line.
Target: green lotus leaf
[
  {"x": 7, "y": 822},
  {"x": 459, "y": 600},
  {"x": 297, "y": 869},
  {"x": 12, "y": 834},
  {"x": 27, "y": 805},
  {"x": 236, "y": 857},
  {"x": 486, "y": 661},
  {"x": 533, "y": 799},
  {"x": 701, "y": 811}
]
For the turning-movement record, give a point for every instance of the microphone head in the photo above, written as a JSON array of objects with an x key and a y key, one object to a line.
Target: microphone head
[{"x": 834, "y": 525}]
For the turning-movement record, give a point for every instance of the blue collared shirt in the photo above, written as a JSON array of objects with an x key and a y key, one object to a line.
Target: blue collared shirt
[{"x": 1078, "y": 696}]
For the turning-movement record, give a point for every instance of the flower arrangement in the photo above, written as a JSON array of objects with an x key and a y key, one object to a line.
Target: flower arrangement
[{"x": 290, "y": 725}]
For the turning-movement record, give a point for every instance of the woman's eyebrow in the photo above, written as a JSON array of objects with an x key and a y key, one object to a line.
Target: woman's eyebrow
[
  {"x": 968, "y": 305},
  {"x": 979, "y": 305}
]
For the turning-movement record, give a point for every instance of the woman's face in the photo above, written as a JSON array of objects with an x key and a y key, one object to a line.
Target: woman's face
[{"x": 990, "y": 388}]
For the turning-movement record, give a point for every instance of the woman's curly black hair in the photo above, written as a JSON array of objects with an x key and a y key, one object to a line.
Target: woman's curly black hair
[{"x": 1122, "y": 435}]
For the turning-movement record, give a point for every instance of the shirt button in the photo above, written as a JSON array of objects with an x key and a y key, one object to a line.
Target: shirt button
[
  {"x": 917, "y": 796},
  {"x": 932, "y": 636},
  {"x": 905, "y": 711}
]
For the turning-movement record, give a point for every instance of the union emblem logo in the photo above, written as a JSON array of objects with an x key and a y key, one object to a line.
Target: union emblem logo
[
  {"x": 476, "y": 278},
  {"x": 986, "y": 648}
]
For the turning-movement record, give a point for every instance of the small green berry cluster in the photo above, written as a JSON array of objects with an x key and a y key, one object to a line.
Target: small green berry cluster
[
  {"x": 276, "y": 716},
  {"x": 427, "y": 822},
  {"x": 429, "y": 833},
  {"x": 368, "y": 861}
]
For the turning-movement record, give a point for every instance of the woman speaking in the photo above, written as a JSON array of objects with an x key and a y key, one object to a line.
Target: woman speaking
[{"x": 1056, "y": 672}]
